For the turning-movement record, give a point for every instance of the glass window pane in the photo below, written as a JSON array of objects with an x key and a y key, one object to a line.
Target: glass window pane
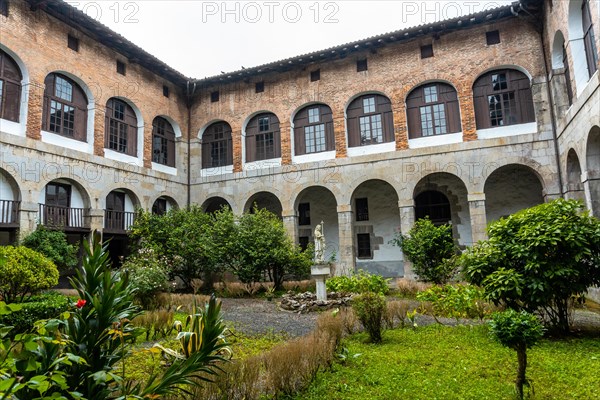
[{"x": 313, "y": 115}]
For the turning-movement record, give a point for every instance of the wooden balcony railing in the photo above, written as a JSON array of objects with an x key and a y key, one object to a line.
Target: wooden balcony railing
[
  {"x": 118, "y": 221},
  {"x": 62, "y": 217},
  {"x": 9, "y": 213}
]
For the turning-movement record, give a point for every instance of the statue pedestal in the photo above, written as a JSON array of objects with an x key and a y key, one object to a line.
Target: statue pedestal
[{"x": 320, "y": 273}]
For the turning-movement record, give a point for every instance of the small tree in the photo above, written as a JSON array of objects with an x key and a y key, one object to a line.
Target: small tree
[
  {"x": 430, "y": 248},
  {"x": 148, "y": 275},
  {"x": 518, "y": 331},
  {"x": 261, "y": 247},
  {"x": 24, "y": 273},
  {"x": 370, "y": 309},
  {"x": 538, "y": 259},
  {"x": 53, "y": 244}
]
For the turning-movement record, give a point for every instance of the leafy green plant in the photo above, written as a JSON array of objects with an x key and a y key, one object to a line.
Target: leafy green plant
[
  {"x": 538, "y": 259},
  {"x": 44, "y": 306},
  {"x": 24, "y": 273},
  {"x": 53, "y": 244},
  {"x": 456, "y": 301},
  {"x": 370, "y": 308},
  {"x": 362, "y": 282},
  {"x": 148, "y": 275},
  {"x": 430, "y": 249},
  {"x": 518, "y": 331}
]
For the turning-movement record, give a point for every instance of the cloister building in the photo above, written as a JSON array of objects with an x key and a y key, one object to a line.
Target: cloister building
[{"x": 464, "y": 120}]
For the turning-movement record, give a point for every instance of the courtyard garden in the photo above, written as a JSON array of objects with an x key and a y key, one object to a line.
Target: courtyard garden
[{"x": 195, "y": 313}]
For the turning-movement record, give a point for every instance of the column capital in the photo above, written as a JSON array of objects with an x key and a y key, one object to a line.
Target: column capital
[
  {"x": 475, "y": 197},
  {"x": 406, "y": 203},
  {"x": 344, "y": 208}
]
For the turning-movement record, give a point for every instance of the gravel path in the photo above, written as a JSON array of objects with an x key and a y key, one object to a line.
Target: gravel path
[{"x": 257, "y": 316}]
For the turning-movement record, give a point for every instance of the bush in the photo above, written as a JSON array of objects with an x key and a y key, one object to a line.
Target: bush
[
  {"x": 360, "y": 283},
  {"x": 53, "y": 245},
  {"x": 148, "y": 275},
  {"x": 456, "y": 301},
  {"x": 538, "y": 259},
  {"x": 44, "y": 306},
  {"x": 24, "y": 272},
  {"x": 370, "y": 308},
  {"x": 430, "y": 249}
]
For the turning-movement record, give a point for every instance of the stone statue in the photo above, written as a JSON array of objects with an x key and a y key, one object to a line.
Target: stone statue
[{"x": 319, "y": 244}]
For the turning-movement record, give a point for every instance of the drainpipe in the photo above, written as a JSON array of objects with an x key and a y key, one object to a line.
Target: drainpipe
[
  {"x": 540, "y": 29},
  {"x": 189, "y": 94}
]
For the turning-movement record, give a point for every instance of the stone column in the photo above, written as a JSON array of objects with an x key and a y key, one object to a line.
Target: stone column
[
  {"x": 478, "y": 217},
  {"x": 96, "y": 219},
  {"x": 345, "y": 265},
  {"x": 290, "y": 223},
  {"x": 28, "y": 218},
  {"x": 407, "y": 220}
]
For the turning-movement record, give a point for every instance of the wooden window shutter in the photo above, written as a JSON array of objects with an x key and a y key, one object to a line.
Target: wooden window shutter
[
  {"x": 447, "y": 95},
  {"x": 251, "y": 131},
  {"x": 274, "y": 126},
  {"x": 327, "y": 117},
  {"x": 413, "y": 102},
  {"x": 300, "y": 122},
  {"x": 384, "y": 106},
  {"x": 480, "y": 101},
  {"x": 352, "y": 113}
]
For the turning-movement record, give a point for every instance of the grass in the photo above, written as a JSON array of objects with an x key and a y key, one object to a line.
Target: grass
[
  {"x": 141, "y": 362},
  {"x": 441, "y": 362}
]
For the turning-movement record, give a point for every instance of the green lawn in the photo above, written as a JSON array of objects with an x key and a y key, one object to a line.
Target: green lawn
[{"x": 441, "y": 362}]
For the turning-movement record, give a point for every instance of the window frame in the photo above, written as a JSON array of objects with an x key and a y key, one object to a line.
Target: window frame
[
  {"x": 304, "y": 214},
  {"x": 10, "y": 94},
  {"x": 589, "y": 40},
  {"x": 129, "y": 122},
  {"x": 302, "y": 121},
  {"x": 518, "y": 84},
  {"x": 210, "y": 141},
  {"x": 362, "y": 209},
  {"x": 163, "y": 134},
  {"x": 53, "y": 118},
  {"x": 355, "y": 110},
  {"x": 263, "y": 143},
  {"x": 359, "y": 246},
  {"x": 446, "y": 97}
]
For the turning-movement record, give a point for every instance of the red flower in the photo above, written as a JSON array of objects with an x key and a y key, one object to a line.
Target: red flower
[{"x": 80, "y": 303}]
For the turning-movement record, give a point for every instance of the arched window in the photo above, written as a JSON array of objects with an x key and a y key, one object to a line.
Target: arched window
[
  {"x": 10, "y": 88},
  {"x": 433, "y": 205},
  {"x": 502, "y": 98},
  {"x": 313, "y": 130},
  {"x": 121, "y": 127},
  {"x": 432, "y": 109},
  {"x": 217, "y": 148},
  {"x": 370, "y": 120},
  {"x": 263, "y": 139},
  {"x": 565, "y": 60},
  {"x": 65, "y": 107},
  {"x": 589, "y": 40},
  {"x": 163, "y": 142}
]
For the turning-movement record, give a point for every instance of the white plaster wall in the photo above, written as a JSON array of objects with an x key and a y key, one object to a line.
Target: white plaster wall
[
  {"x": 510, "y": 130},
  {"x": 129, "y": 207},
  {"x": 6, "y": 190},
  {"x": 323, "y": 208},
  {"x": 437, "y": 140},
  {"x": 384, "y": 216},
  {"x": 371, "y": 149},
  {"x": 511, "y": 190}
]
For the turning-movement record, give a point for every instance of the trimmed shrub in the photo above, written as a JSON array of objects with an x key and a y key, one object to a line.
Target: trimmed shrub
[
  {"x": 24, "y": 272},
  {"x": 44, "y": 306},
  {"x": 362, "y": 282},
  {"x": 370, "y": 309}
]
